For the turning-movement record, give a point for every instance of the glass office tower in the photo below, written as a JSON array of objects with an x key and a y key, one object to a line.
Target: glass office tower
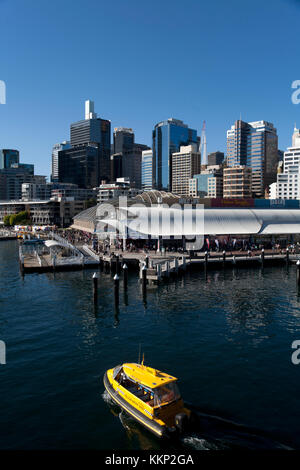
[
  {"x": 8, "y": 157},
  {"x": 255, "y": 145},
  {"x": 123, "y": 139},
  {"x": 81, "y": 165},
  {"x": 167, "y": 137},
  {"x": 92, "y": 132}
]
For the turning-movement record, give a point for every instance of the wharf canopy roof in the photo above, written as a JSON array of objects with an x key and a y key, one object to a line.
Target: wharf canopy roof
[
  {"x": 217, "y": 221},
  {"x": 154, "y": 197}
]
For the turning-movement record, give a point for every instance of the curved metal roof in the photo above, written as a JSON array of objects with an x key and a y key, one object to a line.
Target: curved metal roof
[
  {"x": 210, "y": 221},
  {"x": 156, "y": 197}
]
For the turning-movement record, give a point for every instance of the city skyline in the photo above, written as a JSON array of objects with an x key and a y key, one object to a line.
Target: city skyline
[{"x": 220, "y": 87}]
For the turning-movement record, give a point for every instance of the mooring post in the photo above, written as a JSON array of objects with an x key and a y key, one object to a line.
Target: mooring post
[
  {"x": 158, "y": 270},
  {"x": 116, "y": 289},
  {"x": 125, "y": 275},
  {"x": 147, "y": 261},
  {"x": 183, "y": 263},
  {"x": 117, "y": 264},
  {"x": 168, "y": 268},
  {"x": 287, "y": 256},
  {"x": 205, "y": 259},
  {"x": 224, "y": 257},
  {"x": 176, "y": 265},
  {"x": 144, "y": 278},
  {"x": 298, "y": 273},
  {"x": 233, "y": 260},
  {"x": 262, "y": 256},
  {"x": 95, "y": 287}
]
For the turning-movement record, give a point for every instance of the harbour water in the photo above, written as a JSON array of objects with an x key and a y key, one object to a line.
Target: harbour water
[{"x": 228, "y": 338}]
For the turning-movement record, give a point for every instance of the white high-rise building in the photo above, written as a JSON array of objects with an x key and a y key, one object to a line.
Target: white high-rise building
[
  {"x": 296, "y": 137},
  {"x": 288, "y": 182},
  {"x": 89, "y": 110},
  {"x": 56, "y": 148}
]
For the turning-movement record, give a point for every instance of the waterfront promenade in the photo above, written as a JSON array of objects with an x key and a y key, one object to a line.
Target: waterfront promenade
[{"x": 159, "y": 265}]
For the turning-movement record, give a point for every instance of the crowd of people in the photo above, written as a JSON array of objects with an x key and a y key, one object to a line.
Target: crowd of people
[{"x": 211, "y": 244}]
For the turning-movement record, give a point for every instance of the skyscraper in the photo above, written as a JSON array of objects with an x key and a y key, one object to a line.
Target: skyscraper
[
  {"x": 123, "y": 139},
  {"x": 86, "y": 161},
  {"x": 215, "y": 158},
  {"x": 255, "y": 145},
  {"x": 80, "y": 165},
  {"x": 167, "y": 137},
  {"x": 147, "y": 170},
  {"x": 126, "y": 159},
  {"x": 288, "y": 181},
  {"x": 185, "y": 164},
  {"x": 8, "y": 157},
  {"x": 91, "y": 129},
  {"x": 56, "y": 148}
]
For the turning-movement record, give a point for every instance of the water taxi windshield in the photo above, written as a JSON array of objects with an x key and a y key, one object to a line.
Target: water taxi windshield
[{"x": 166, "y": 394}]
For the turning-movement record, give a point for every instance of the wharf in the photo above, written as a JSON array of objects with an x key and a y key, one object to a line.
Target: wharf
[{"x": 161, "y": 266}]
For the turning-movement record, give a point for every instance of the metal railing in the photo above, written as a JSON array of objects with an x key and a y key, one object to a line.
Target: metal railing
[{"x": 65, "y": 243}]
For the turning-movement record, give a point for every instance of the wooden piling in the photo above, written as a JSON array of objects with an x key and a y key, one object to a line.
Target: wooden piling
[
  {"x": 125, "y": 275},
  {"x": 116, "y": 289},
  {"x": 298, "y": 273},
  {"x": 95, "y": 287}
]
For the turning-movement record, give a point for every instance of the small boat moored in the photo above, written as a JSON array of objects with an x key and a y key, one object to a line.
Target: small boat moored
[{"x": 150, "y": 396}]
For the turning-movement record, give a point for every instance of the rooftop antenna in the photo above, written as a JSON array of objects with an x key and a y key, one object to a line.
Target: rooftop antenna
[{"x": 203, "y": 145}]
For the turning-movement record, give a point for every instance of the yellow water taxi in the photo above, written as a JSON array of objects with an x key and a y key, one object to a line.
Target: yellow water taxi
[{"x": 150, "y": 396}]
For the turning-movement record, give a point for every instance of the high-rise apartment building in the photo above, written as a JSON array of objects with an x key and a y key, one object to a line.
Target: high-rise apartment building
[
  {"x": 147, "y": 170},
  {"x": 237, "y": 182},
  {"x": 185, "y": 164},
  {"x": 255, "y": 145},
  {"x": 288, "y": 180},
  {"x": 167, "y": 138}
]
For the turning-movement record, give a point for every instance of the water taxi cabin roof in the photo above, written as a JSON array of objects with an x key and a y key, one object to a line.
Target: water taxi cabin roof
[{"x": 147, "y": 376}]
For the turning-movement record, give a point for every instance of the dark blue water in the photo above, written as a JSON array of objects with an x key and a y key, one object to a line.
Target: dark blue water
[{"x": 227, "y": 338}]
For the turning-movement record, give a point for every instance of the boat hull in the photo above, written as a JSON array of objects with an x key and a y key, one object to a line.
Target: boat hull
[{"x": 150, "y": 424}]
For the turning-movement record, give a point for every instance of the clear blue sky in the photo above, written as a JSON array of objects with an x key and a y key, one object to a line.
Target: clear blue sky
[{"x": 144, "y": 61}]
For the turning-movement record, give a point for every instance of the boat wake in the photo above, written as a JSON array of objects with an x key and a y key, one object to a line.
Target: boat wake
[
  {"x": 213, "y": 432},
  {"x": 209, "y": 432},
  {"x": 197, "y": 443}
]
